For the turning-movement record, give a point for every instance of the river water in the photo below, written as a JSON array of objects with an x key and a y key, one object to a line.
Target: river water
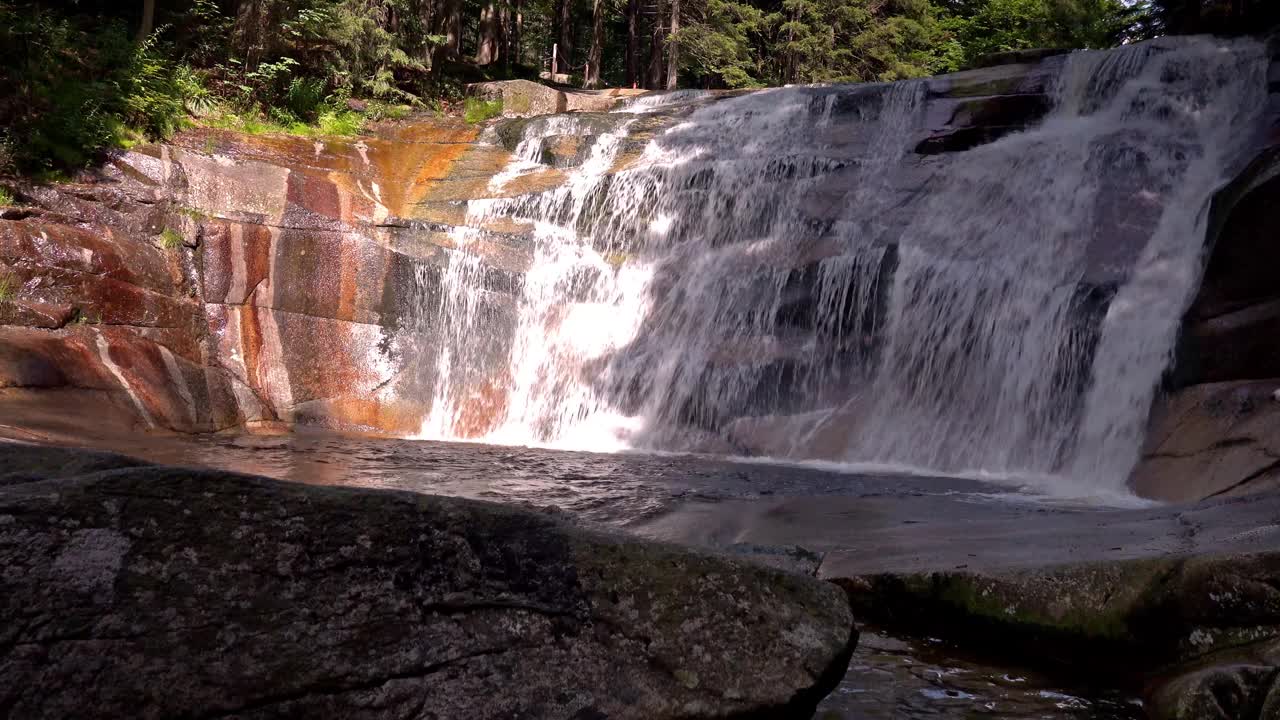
[{"x": 888, "y": 679}]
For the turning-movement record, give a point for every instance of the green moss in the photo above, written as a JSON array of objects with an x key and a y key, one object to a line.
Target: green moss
[
  {"x": 475, "y": 110},
  {"x": 6, "y": 197},
  {"x": 1082, "y": 610},
  {"x": 170, "y": 239}
]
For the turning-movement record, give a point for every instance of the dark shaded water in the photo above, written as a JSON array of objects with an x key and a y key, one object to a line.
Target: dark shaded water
[
  {"x": 896, "y": 678},
  {"x": 888, "y": 678}
]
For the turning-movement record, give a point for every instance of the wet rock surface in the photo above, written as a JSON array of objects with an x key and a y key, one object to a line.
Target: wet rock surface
[
  {"x": 1216, "y": 431},
  {"x": 1201, "y": 634},
  {"x": 1107, "y": 604},
  {"x": 152, "y": 591}
]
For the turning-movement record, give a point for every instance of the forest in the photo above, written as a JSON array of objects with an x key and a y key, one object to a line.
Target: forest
[{"x": 78, "y": 76}]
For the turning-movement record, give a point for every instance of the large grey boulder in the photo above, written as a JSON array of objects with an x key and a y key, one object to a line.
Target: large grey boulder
[{"x": 161, "y": 592}]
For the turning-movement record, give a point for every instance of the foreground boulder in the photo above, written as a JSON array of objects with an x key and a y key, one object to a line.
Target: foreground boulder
[{"x": 157, "y": 592}]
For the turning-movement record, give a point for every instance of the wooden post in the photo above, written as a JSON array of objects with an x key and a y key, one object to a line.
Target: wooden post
[{"x": 554, "y": 49}]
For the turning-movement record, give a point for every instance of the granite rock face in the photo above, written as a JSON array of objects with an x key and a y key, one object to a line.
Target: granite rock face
[
  {"x": 156, "y": 592},
  {"x": 1217, "y": 430}
]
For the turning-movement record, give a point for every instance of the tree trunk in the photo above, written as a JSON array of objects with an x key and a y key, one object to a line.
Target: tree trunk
[
  {"x": 446, "y": 20},
  {"x": 633, "y": 43},
  {"x": 505, "y": 49},
  {"x": 517, "y": 32},
  {"x": 594, "y": 56},
  {"x": 564, "y": 27},
  {"x": 487, "y": 44},
  {"x": 654, "y": 79},
  {"x": 453, "y": 28},
  {"x": 249, "y": 36},
  {"x": 673, "y": 49},
  {"x": 789, "y": 73},
  {"x": 148, "y": 19}
]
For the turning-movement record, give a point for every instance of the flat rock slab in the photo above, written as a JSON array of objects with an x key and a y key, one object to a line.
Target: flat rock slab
[
  {"x": 946, "y": 528},
  {"x": 160, "y": 592}
]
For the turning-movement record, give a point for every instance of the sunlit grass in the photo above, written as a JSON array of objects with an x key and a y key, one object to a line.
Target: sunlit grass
[
  {"x": 332, "y": 122},
  {"x": 170, "y": 239},
  {"x": 8, "y": 288},
  {"x": 475, "y": 110}
]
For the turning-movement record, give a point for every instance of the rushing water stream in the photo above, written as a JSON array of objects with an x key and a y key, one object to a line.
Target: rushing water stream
[{"x": 781, "y": 273}]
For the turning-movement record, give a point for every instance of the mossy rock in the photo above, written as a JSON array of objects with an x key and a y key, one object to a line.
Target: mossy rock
[{"x": 1106, "y": 618}]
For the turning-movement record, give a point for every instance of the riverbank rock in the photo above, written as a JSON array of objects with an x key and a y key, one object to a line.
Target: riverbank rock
[
  {"x": 1215, "y": 432},
  {"x": 1201, "y": 634},
  {"x": 156, "y": 592},
  {"x": 525, "y": 98}
]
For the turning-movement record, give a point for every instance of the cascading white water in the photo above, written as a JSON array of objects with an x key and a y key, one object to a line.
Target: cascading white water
[{"x": 778, "y": 273}]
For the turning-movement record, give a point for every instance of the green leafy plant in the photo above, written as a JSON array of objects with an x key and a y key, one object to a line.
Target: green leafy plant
[
  {"x": 6, "y": 197},
  {"x": 170, "y": 239},
  {"x": 339, "y": 122},
  {"x": 475, "y": 110}
]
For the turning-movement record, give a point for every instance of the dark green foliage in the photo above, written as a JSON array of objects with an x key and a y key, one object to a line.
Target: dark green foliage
[
  {"x": 982, "y": 27},
  {"x": 1222, "y": 17},
  {"x": 76, "y": 79},
  {"x": 73, "y": 85}
]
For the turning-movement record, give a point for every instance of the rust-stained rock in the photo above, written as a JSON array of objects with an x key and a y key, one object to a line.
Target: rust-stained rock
[
  {"x": 285, "y": 297},
  {"x": 158, "y": 388}
]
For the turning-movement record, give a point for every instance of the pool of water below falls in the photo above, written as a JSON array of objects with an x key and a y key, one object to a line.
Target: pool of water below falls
[{"x": 889, "y": 678}]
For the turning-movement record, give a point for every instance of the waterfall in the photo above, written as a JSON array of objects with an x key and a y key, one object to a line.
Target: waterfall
[{"x": 780, "y": 273}]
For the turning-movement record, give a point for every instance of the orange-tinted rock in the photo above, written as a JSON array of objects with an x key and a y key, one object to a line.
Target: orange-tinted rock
[
  {"x": 291, "y": 359},
  {"x": 164, "y": 391},
  {"x": 287, "y": 297},
  {"x": 43, "y": 246}
]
